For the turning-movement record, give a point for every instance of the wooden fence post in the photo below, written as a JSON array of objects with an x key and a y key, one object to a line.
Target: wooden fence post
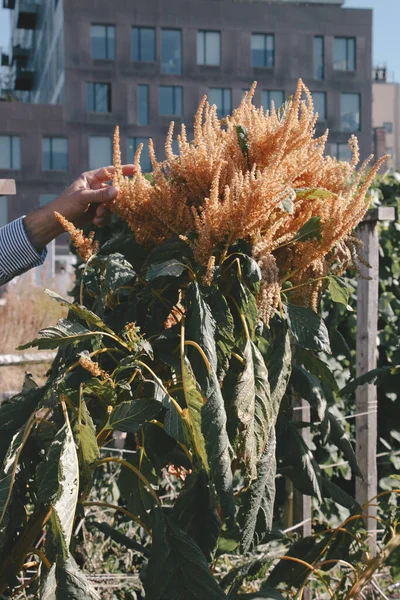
[{"x": 367, "y": 331}]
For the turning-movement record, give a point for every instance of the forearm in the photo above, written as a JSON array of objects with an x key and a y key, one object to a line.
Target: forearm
[
  {"x": 42, "y": 227},
  {"x": 17, "y": 254}
]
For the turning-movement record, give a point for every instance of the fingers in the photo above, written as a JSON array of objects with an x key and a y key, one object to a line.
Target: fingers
[
  {"x": 104, "y": 194},
  {"x": 102, "y": 216},
  {"x": 103, "y": 174}
]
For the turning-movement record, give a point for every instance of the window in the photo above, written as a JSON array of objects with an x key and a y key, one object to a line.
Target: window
[
  {"x": 262, "y": 50},
  {"x": 55, "y": 154},
  {"x": 319, "y": 58},
  {"x": 46, "y": 198},
  {"x": 10, "y": 152},
  {"x": 208, "y": 48},
  {"x": 143, "y": 44},
  {"x": 170, "y": 100},
  {"x": 344, "y": 54},
  {"x": 319, "y": 99},
  {"x": 98, "y": 97},
  {"x": 341, "y": 152},
  {"x": 133, "y": 144},
  {"x": 350, "y": 105},
  {"x": 222, "y": 97},
  {"x": 100, "y": 152},
  {"x": 3, "y": 211},
  {"x": 171, "y": 51},
  {"x": 269, "y": 96},
  {"x": 390, "y": 152},
  {"x": 388, "y": 126},
  {"x": 143, "y": 105},
  {"x": 102, "y": 38}
]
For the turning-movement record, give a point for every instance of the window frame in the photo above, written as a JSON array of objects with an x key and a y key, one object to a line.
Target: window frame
[
  {"x": 223, "y": 90},
  {"x": 51, "y": 152},
  {"x": 109, "y": 42},
  {"x": 339, "y": 145},
  {"x": 324, "y": 94},
  {"x": 11, "y": 140},
  {"x": 204, "y": 33},
  {"x": 94, "y": 84},
  {"x": 265, "y": 36},
  {"x": 347, "y": 40},
  {"x": 139, "y": 29},
  {"x": 322, "y": 39},
  {"x": 268, "y": 92},
  {"x": 168, "y": 72},
  {"x": 136, "y": 140},
  {"x": 358, "y": 94},
  {"x": 103, "y": 137},
  {"x": 174, "y": 88}
]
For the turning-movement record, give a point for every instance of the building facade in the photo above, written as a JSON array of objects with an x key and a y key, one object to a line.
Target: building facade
[
  {"x": 81, "y": 67},
  {"x": 386, "y": 116}
]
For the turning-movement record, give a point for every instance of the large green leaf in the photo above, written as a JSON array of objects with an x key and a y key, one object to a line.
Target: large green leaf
[
  {"x": 64, "y": 333},
  {"x": 81, "y": 311},
  {"x": 168, "y": 268},
  {"x": 338, "y": 437},
  {"x": 64, "y": 580},
  {"x": 310, "y": 231},
  {"x": 258, "y": 500},
  {"x": 117, "y": 273},
  {"x": 376, "y": 375},
  {"x": 316, "y": 366},
  {"x": 177, "y": 568},
  {"x": 225, "y": 331},
  {"x": 120, "y": 538},
  {"x": 135, "y": 494},
  {"x": 193, "y": 416},
  {"x": 279, "y": 364},
  {"x": 307, "y": 386},
  {"x": 195, "y": 513},
  {"x": 130, "y": 416},
  {"x": 9, "y": 472},
  {"x": 339, "y": 290},
  {"x": 58, "y": 480},
  {"x": 308, "y": 329},
  {"x": 201, "y": 328},
  {"x": 252, "y": 402},
  {"x": 85, "y": 436},
  {"x": 333, "y": 491}
]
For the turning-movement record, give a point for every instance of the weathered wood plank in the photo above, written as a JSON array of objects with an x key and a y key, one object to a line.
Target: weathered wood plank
[{"x": 7, "y": 187}]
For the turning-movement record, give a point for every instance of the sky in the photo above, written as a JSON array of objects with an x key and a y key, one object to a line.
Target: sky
[{"x": 386, "y": 32}]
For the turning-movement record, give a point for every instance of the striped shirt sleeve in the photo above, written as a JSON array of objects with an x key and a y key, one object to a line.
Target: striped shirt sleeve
[{"x": 17, "y": 254}]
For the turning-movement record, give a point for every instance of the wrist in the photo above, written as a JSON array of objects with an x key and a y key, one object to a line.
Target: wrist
[{"x": 42, "y": 227}]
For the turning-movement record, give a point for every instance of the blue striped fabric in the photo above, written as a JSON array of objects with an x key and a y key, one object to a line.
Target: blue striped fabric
[{"x": 17, "y": 254}]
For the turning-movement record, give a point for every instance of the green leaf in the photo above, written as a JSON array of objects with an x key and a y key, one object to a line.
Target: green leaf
[
  {"x": 307, "y": 386},
  {"x": 193, "y": 416},
  {"x": 310, "y": 231},
  {"x": 81, "y": 311},
  {"x": 279, "y": 362},
  {"x": 135, "y": 494},
  {"x": 258, "y": 501},
  {"x": 131, "y": 416},
  {"x": 250, "y": 268},
  {"x": 333, "y": 491},
  {"x": 64, "y": 333},
  {"x": 64, "y": 580},
  {"x": 287, "y": 204},
  {"x": 117, "y": 273},
  {"x": 85, "y": 436},
  {"x": 120, "y": 538},
  {"x": 299, "y": 464},
  {"x": 169, "y": 268},
  {"x": 58, "y": 480},
  {"x": 314, "y": 193},
  {"x": 376, "y": 375},
  {"x": 252, "y": 402},
  {"x": 201, "y": 328},
  {"x": 225, "y": 332},
  {"x": 195, "y": 513},
  {"x": 339, "y": 438},
  {"x": 177, "y": 568},
  {"x": 316, "y": 366},
  {"x": 308, "y": 329},
  {"x": 265, "y": 594},
  {"x": 292, "y": 573},
  {"x": 339, "y": 290},
  {"x": 243, "y": 139}
]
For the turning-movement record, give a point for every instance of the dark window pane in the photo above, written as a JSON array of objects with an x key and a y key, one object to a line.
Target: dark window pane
[
  {"x": 222, "y": 97},
  {"x": 10, "y": 152},
  {"x": 3, "y": 211},
  {"x": 319, "y": 58},
  {"x": 171, "y": 51},
  {"x": 15, "y": 152},
  {"x": 98, "y": 41},
  {"x": 344, "y": 54},
  {"x": 350, "y": 105},
  {"x": 46, "y": 154},
  {"x": 102, "y": 97},
  {"x": 100, "y": 152},
  {"x": 170, "y": 100},
  {"x": 262, "y": 50},
  {"x": 147, "y": 44},
  {"x": 143, "y": 104},
  {"x": 208, "y": 48},
  {"x": 344, "y": 153},
  {"x": 110, "y": 42},
  {"x": 351, "y": 54},
  {"x": 178, "y": 108},
  {"x": 319, "y": 99},
  {"x": 55, "y": 154},
  {"x": 135, "y": 43},
  {"x": 90, "y": 97},
  {"x": 132, "y": 146}
]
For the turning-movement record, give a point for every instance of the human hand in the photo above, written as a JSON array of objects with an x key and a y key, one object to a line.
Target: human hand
[{"x": 86, "y": 199}]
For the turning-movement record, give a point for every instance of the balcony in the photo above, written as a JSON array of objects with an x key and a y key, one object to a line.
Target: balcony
[
  {"x": 9, "y": 4},
  {"x": 24, "y": 79},
  {"x": 20, "y": 56},
  {"x": 27, "y": 15}
]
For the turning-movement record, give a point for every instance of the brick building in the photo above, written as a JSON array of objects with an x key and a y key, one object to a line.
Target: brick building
[{"x": 79, "y": 67}]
